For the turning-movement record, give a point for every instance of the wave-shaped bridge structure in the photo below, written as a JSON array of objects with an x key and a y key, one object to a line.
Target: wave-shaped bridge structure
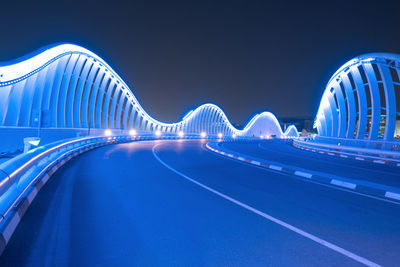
[{"x": 67, "y": 86}]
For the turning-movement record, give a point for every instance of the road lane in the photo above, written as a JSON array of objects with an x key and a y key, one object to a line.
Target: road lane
[
  {"x": 118, "y": 205},
  {"x": 358, "y": 223},
  {"x": 279, "y": 151}
]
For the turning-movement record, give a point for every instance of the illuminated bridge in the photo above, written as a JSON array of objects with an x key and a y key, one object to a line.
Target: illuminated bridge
[
  {"x": 362, "y": 99},
  {"x": 102, "y": 183},
  {"x": 67, "y": 86}
]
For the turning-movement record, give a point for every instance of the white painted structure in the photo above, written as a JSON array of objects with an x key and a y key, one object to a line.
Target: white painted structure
[
  {"x": 362, "y": 100},
  {"x": 67, "y": 86}
]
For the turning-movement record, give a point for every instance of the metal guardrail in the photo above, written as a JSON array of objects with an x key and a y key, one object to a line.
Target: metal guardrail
[
  {"x": 18, "y": 175},
  {"x": 23, "y": 176}
]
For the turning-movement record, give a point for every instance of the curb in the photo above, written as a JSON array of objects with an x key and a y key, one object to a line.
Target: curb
[
  {"x": 18, "y": 210},
  {"x": 353, "y": 156},
  {"x": 367, "y": 188}
]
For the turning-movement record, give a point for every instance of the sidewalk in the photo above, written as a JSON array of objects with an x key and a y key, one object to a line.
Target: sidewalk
[{"x": 361, "y": 186}]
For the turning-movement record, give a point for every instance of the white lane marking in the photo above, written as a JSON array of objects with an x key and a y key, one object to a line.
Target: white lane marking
[
  {"x": 271, "y": 218},
  {"x": 379, "y": 161},
  {"x": 256, "y": 162},
  {"x": 303, "y": 174},
  {"x": 392, "y": 195},
  {"x": 343, "y": 184},
  {"x": 240, "y": 158},
  {"x": 276, "y": 168},
  {"x": 358, "y": 158},
  {"x": 331, "y": 154},
  {"x": 264, "y": 166},
  {"x": 343, "y": 156}
]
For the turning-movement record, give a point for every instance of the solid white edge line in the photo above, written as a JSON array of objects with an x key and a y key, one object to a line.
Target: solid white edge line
[{"x": 271, "y": 218}]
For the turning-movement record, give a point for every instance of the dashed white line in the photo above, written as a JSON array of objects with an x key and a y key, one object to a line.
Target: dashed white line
[
  {"x": 358, "y": 158},
  {"x": 392, "y": 195},
  {"x": 271, "y": 218},
  {"x": 274, "y": 167},
  {"x": 328, "y": 185},
  {"x": 303, "y": 174},
  {"x": 343, "y": 184}
]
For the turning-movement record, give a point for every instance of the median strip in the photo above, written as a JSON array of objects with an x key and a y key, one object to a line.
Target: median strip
[{"x": 366, "y": 188}]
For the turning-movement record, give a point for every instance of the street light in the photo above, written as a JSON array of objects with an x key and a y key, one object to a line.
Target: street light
[
  {"x": 220, "y": 135},
  {"x": 107, "y": 132},
  {"x": 158, "y": 133},
  {"x": 181, "y": 134},
  {"x": 132, "y": 132},
  {"x": 203, "y": 134}
]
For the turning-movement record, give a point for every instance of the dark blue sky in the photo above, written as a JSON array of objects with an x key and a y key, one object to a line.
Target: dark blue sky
[{"x": 245, "y": 56}]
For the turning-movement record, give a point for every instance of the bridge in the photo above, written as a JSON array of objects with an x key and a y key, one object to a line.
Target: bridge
[{"x": 90, "y": 178}]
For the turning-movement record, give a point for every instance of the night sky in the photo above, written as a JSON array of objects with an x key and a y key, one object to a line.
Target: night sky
[{"x": 245, "y": 56}]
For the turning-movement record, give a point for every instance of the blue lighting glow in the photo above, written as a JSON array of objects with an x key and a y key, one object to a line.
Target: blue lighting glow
[{"x": 85, "y": 98}]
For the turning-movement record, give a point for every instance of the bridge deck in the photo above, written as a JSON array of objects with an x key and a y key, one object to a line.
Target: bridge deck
[{"x": 120, "y": 206}]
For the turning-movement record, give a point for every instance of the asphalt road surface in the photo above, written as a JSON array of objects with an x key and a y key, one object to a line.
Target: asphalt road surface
[{"x": 173, "y": 203}]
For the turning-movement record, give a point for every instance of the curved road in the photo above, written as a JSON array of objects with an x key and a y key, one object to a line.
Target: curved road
[{"x": 172, "y": 203}]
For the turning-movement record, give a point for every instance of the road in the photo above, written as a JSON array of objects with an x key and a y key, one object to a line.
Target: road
[
  {"x": 173, "y": 203},
  {"x": 283, "y": 152}
]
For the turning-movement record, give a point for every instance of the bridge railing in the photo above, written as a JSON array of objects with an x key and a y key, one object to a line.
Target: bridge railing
[{"x": 18, "y": 174}]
